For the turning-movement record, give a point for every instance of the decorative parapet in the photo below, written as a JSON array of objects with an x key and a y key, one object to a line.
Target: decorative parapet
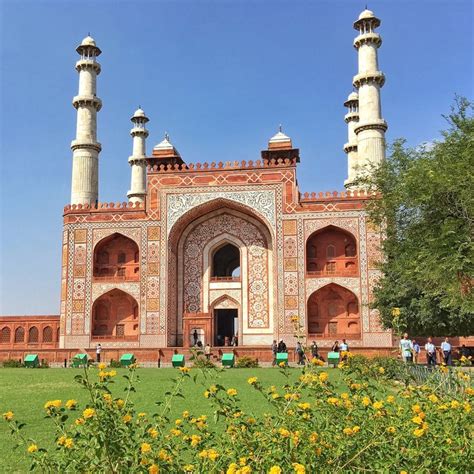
[
  {"x": 228, "y": 165},
  {"x": 330, "y": 196},
  {"x": 104, "y": 206}
]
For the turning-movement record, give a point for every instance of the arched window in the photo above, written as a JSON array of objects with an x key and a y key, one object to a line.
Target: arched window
[
  {"x": 330, "y": 251},
  {"x": 312, "y": 251},
  {"x": 103, "y": 257},
  {"x": 5, "y": 335},
  {"x": 19, "y": 334},
  {"x": 33, "y": 335},
  {"x": 121, "y": 258},
  {"x": 226, "y": 262},
  {"x": 48, "y": 334}
]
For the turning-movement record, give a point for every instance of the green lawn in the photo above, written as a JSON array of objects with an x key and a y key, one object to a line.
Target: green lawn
[{"x": 24, "y": 391}]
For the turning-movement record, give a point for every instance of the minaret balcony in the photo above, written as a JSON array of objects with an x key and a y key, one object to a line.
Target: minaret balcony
[
  {"x": 369, "y": 77},
  {"x": 351, "y": 117},
  {"x": 81, "y": 100},
  {"x": 88, "y": 64},
  {"x": 375, "y": 124},
  {"x": 367, "y": 38},
  {"x": 348, "y": 147}
]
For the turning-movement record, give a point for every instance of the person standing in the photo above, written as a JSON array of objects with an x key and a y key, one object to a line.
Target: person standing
[
  {"x": 416, "y": 350},
  {"x": 274, "y": 351},
  {"x": 430, "y": 349},
  {"x": 98, "y": 350},
  {"x": 406, "y": 348},
  {"x": 207, "y": 351},
  {"x": 300, "y": 353},
  {"x": 281, "y": 346},
  {"x": 335, "y": 346},
  {"x": 446, "y": 350},
  {"x": 314, "y": 350},
  {"x": 234, "y": 341},
  {"x": 195, "y": 337}
]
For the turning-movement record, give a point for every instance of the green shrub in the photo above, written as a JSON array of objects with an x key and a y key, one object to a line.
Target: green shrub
[
  {"x": 115, "y": 364},
  {"x": 12, "y": 363},
  {"x": 202, "y": 362},
  {"x": 246, "y": 362}
]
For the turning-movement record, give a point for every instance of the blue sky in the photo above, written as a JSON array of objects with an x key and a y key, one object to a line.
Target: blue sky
[{"x": 219, "y": 76}]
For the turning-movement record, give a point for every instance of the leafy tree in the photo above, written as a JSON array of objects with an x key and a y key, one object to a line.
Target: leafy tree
[{"x": 425, "y": 208}]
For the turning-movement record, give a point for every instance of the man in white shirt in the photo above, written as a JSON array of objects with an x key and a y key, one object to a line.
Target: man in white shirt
[
  {"x": 446, "y": 349},
  {"x": 430, "y": 349},
  {"x": 98, "y": 350},
  {"x": 406, "y": 348}
]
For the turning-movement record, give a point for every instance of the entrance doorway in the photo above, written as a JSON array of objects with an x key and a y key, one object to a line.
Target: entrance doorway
[{"x": 227, "y": 325}]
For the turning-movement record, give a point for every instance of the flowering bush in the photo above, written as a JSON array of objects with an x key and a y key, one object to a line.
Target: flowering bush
[{"x": 309, "y": 426}]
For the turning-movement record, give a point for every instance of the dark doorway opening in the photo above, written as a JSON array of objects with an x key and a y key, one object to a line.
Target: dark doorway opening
[
  {"x": 226, "y": 263},
  {"x": 227, "y": 325}
]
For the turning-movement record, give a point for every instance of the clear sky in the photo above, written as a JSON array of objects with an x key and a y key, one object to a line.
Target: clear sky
[{"x": 219, "y": 76}]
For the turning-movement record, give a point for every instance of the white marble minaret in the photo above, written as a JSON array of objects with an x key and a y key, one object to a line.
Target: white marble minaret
[
  {"x": 352, "y": 119},
  {"x": 371, "y": 127},
  {"x": 85, "y": 148},
  {"x": 137, "y": 161}
]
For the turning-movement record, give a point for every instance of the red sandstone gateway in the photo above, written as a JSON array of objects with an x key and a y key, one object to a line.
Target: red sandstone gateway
[{"x": 213, "y": 252}]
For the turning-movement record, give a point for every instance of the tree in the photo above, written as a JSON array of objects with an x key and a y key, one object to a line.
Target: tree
[{"x": 425, "y": 208}]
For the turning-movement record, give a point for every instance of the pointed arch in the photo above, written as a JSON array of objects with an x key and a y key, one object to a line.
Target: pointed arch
[
  {"x": 19, "y": 334},
  {"x": 333, "y": 311},
  {"x": 5, "y": 335},
  {"x": 116, "y": 258},
  {"x": 332, "y": 251}
]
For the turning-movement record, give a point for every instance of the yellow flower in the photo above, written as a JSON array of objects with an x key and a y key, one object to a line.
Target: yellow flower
[
  {"x": 433, "y": 398},
  {"x": 284, "y": 432},
  {"x": 8, "y": 416},
  {"x": 184, "y": 370},
  {"x": 356, "y": 386},
  {"x": 316, "y": 361},
  {"x": 212, "y": 454},
  {"x": 417, "y": 420},
  {"x": 164, "y": 456},
  {"x": 112, "y": 373},
  {"x": 282, "y": 364},
  {"x": 348, "y": 431},
  {"x": 275, "y": 396},
  {"x": 275, "y": 470},
  {"x": 416, "y": 408},
  {"x": 233, "y": 468},
  {"x": 88, "y": 413},
  {"x": 145, "y": 448},
  {"x": 120, "y": 403},
  {"x": 186, "y": 414},
  {"x": 80, "y": 421},
  {"x": 345, "y": 396},
  {"x": 252, "y": 380},
  {"x": 52, "y": 404},
  {"x": 101, "y": 366},
  {"x": 356, "y": 429},
  {"x": 381, "y": 370},
  {"x": 61, "y": 440},
  {"x": 126, "y": 418},
  {"x": 418, "y": 432},
  {"x": 153, "y": 432},
  {"x": 188, "y": 468},
  {"x": 207, "y": 394},
  {"x": 467, "y": 407},
  {"x": 334, "y": 401},
  {"x": 366, "y": 401},
  {"x": 403, "y": 472},
  {"x": 245, "y": 470},
  {"x": 69, "y": 443},
  {"x": 455, "y": 404},
  {"x": 153, "y": 469},
  {"x": 32, "y": 448},
  {"x": 313, "y": 437},
  {"x": 177, "y": 422},
  {"x": 304, "y": 406},
  {"x": 195, "y": 440},
  {"x": 469, "y": 391},
  {"x": 378, "y": 405},
  {"x": 391, "y": 429},
  {"x": 299, "y": 468},
  {"x": 107, "y": 397},
  {"x": 71, "y": 404},
  {"x": 232, "y": 392},
  {"x": 141, "y": 414},
  {"x": 390, "y": 399}
]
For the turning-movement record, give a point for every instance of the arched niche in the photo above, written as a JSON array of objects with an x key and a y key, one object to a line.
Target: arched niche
[
  {"x": 115, "y": 316},
  {"x": 333, "y": 312},
  {"x": 116, "y": 258},
  {"x": 225, "y": 262},
  {"x": 332, "y": 251}
]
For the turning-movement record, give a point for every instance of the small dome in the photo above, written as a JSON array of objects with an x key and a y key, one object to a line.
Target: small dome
[
  {"x": 88, "y": 41},
  {"x": 353, "y": 96},
  {"x": 366, "y": 14},
  {"x": 165, "y": 144},
  {"x": 280, "y": 137}
]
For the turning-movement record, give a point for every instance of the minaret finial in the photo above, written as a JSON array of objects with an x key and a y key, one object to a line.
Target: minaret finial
[
  {"x": 167, "y": 137},
  {"x": 280, "y": 128}
]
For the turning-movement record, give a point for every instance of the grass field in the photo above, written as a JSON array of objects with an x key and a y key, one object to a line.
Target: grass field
[{"x": 24, "y": 391}]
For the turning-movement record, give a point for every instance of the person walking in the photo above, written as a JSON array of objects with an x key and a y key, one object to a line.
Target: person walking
[
  {"x": 344, "y": 347},
  {"x": 300, "y": 353},
  {"x": 406, "y": 348},
  {"x": 274, "y": 352},
  {"x": 207, "y": 351},
  {"x": 98, "y": 350},
  {"x": 416, "y": 350},
  {"x": 430, "y": 349},
  {"x": 335, "y": 347},
  {"x": 314, "y": 350},
  {"x": 446, "y": 351}
]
